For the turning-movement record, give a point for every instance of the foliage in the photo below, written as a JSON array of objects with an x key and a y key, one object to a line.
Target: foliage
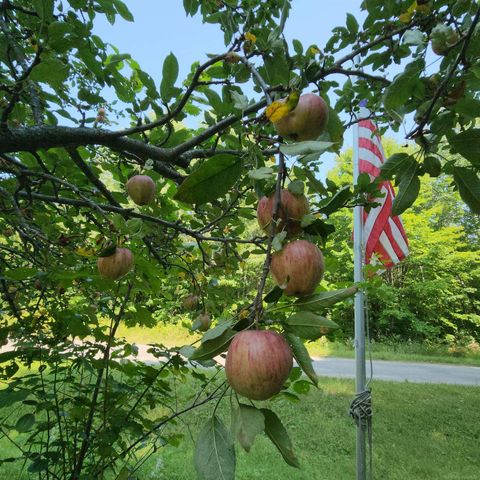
[
  {"x": 431, "y": 295},
  {"x": 65, "y": 161}
]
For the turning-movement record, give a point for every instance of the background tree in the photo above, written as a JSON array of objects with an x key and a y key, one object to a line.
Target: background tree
[{"x": 65, "y": 161}]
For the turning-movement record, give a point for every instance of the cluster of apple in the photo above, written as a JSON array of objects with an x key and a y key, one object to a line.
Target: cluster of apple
[
  {"x": 118, "y": 261},
  {"x": 259, "y": 361}
]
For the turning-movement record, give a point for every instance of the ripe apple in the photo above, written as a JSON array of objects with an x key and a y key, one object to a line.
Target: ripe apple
[
  {"x": 292, "y": 209},
  {"x": 116, "y": 265},
  {"x": 141, "y": 189},
  {"x": 190, "y": 302},
  {"x": 258, "y": 363},
  {"x": 202, "y": 322},
  {"x": 298, "y": 268},
  {"x": 306, "y": 121}
]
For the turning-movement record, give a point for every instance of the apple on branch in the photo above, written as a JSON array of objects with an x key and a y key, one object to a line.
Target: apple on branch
[
  {"x": 258, "y": 363},
  {"x": 292, "y": 209},
  {"x": 298, "y": 268},
  {"x": 116, "y": 265},
  {"x": 306, "y": 121},
  {"x": 141, "y": 189}
]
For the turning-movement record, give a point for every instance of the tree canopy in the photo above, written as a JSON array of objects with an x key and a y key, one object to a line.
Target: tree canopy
[{"x": 64, "y": 163}]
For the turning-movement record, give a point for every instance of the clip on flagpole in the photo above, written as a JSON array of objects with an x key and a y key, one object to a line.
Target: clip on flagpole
[{"x": 359, "y": 402}]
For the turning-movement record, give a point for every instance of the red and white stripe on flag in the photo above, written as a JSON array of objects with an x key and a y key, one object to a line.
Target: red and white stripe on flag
[{"x": 383, "y": 235}]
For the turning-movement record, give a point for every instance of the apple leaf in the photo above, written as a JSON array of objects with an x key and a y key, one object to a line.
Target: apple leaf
[
  {"x": 211, "y": 180},
  {"x": 277, "y": 433},
  {"x": 309, "y": 326},
  {"x": 169, "y": 77},
  {"x": 304, "y": 148},
  {"x": 467, "y": 144},
  {"x": 247, "y": 423},
  {"x": 297, "y": 187},
  {"x": 337, "y": 201},
  {"x": 214, "y": 347},
  {"x": 408, "y": 190},
  {"x": 274, "y": 295},
  {"x": 322, "y": 300},
  {"x": 217, "y": 331},
  {"x": 395, "y": 163},
  {"x": 25, "y": 423},
  {"x": 319, "y": 228},
  {"x": 215, "y": 452},
  {"x": 468, "y": 185},
  {"x": 302, "y": 356}
]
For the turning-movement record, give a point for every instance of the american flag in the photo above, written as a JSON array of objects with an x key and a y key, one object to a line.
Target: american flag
[{"x": 383, "y": 235}]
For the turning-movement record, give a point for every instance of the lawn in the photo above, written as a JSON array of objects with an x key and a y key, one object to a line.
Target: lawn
[{"x": 421, "y": 432}]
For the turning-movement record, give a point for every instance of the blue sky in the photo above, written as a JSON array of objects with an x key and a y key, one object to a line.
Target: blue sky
[{"x": 162, "y": 27}]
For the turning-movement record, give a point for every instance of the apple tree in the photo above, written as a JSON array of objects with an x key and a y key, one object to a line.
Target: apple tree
[{"x": 113, "y": 211}]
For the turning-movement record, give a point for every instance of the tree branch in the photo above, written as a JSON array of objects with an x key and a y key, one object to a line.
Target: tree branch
[
  {"x": 419, "y": 129},
  {"x": 133, "y": 214}
]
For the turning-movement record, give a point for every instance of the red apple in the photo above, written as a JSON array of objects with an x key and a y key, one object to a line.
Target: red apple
[
  {"x": 190, "y": 302},
  {"x": 292, "y": 209},
  {"x": 306, "y": 121},
  {"x": 117, "y": 265},
  {"x": 298, "y": 268},
  {"x": 141, "y": 189},
  {"x": 258, "y": 363}
]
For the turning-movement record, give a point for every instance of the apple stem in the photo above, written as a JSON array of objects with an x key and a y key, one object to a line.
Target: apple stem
[{"x": 258, "y": 304}]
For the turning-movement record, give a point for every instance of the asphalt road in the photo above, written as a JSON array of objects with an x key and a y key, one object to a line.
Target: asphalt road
[{"x": 401, "y": 371}]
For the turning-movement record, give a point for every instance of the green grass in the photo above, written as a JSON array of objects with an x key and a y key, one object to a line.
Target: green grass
[
  {"x": 171, "y": 335},
  {"x": 421, "y": 432}
]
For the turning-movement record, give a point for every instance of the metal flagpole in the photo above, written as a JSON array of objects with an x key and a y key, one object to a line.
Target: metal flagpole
[{"x": 360, "y": 370}]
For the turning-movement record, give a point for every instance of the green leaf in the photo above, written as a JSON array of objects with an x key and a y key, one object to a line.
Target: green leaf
[
  {"x": 413, "y": 37},
  {"x": 337, "y": 201},
  {"x": 304, "y": 148},
  {"x": 335, "y": 129},
  {"x": 211, "y": 180},
  {"x": 396, "y": 163},
  {"x": 262, "y": 173},
  {"x": 274, "y": 295},
  {"x": 278, "y": 239},
  {"x": 468, "y": 107},
  {"x": 302, "y": 356},
  {"x": 468, "y": 185},
  {"x": 322, "y": 300},
  {"x": 277, "y": 433},
  {"x": 432, "y": 166},
  {"x": 9, "y": 396},
  {"x": 247, "y": 423},
  {"x": 123, "y": 10},
  {"x": 467, "y": 144},
  {"x": 52, "y": 71},
  {"x": 215, "y": 452},
  {"x": 217, "y": 331},
  {"x": 21, "y": 273},
  {"x": 25, "y": 423},
  {"x": 212, "y": 348},
  {"x": 408, "y": 190},
  {"x": 309, "y": 326},
  {"x": 169, "y": 77},
  {"x": 352, "y": 24},
  {"x": 319, "y": 227},
  {"x": 400, "y": 90},
  {"x": 297, "y": 187}
]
